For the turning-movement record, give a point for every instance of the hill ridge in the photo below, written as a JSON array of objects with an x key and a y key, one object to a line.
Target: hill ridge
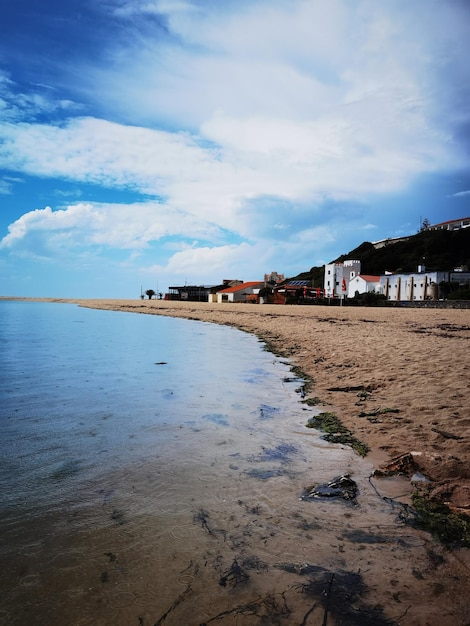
[{"x": 435, "y": 249}]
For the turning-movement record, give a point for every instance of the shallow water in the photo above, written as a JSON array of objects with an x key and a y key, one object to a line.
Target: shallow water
[{"x": 152, "y": 472}]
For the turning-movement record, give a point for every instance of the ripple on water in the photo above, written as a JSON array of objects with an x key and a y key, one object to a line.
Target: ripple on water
[
  {"x": 209, "y": 476},
  {"x": 91, "y": 620},
  {"x": 175, "y": 508},
  {"x": 186, "y": 579},
  {"x": 32, "y": 549},
  {"x": 146, "y": 598},
  {"x": 120, "y": 599},
  {"x": 30, "y": 580},
  {"x": 189, "y": 532},
  {"x": 75, "y": 592}
]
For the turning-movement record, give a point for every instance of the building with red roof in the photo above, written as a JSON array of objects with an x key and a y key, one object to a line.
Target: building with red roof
[{"x": 245, "y": 292}]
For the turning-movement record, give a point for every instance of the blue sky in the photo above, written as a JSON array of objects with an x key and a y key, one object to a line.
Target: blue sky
[{"x": 164, "y": 142}]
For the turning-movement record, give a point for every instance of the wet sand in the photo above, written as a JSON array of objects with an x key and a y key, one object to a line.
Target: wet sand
[{"x": 189, "y": 565}]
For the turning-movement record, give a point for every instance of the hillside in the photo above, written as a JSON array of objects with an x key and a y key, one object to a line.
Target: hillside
[{"x": 436, "y": 249}]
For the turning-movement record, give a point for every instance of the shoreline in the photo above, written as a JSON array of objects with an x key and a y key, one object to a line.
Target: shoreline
[{"x": 396, "y": 378}]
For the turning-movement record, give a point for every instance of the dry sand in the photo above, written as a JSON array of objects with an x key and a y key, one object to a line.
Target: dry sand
[{"x": 415, "y": 361}]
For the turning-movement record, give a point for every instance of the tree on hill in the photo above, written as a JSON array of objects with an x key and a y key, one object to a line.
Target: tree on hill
[
  {"x": 425, "y": 224},
  {"x": 150, "y": 293}
]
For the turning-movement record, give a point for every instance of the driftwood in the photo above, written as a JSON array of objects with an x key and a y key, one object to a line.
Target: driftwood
[{"x": 403, "y": 464}]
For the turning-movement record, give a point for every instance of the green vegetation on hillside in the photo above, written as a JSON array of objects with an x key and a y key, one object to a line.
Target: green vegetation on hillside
[{"x": 436, "y": 249}]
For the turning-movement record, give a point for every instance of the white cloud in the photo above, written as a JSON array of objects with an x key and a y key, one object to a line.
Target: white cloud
[
  {"x": 301, "y": 100},
  {"x": 460, "y": 194},
  {"x": 218, "y": 262},
  {"x": 155, "y": 7},
  {"x": 244, "y": 119},
  {"x": 216, "y": 258},
  {"x": 293, "y": 60},
  {"x": 7, "y": 184},
  {"x": 130, "y": 227},
  {"x": 17, "y": 105}
]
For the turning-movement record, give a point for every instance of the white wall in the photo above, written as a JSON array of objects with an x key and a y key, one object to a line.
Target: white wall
[
  {"x": 362, "y": 286},
  {"x": 336, "y": 273},
  {"x": 411, "y": 287}
]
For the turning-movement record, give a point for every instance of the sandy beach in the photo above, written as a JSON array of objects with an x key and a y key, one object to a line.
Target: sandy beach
[{"x": 396, "y": 377}]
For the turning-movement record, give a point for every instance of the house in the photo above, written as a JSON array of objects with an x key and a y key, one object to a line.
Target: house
[
  {"x": 243, "y": 292},
  {"x": 464, "y": 222},
  {"x": 338, "y": 277},
  {"x": 363, "y": 283}
]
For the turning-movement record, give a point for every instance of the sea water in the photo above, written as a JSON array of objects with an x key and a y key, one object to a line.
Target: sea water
[
  {"x": 151, "y": 472},
  {"x": 86, "y": 392}
]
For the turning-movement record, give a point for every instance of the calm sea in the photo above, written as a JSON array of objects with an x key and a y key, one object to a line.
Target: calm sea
[
  {"x": 85, "y": 392},
  {"x": 109, "y": 420},
  {"x": 151, "y": 470}
]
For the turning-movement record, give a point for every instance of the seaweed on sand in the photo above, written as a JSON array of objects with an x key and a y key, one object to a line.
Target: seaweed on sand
[
  {"x": 307, "y": 381},
  {"x": 265, "y": 474},
  {"x": 268, "y": 412},
  {"x": 336, "y": 432},
  {"x": 377, "y": 412},
  {"x": 315, "y": 401},
  {"x": 235, "y": 575},
  {"x": 450, "y": 528},
  {"x": 202, "y": 517},
  {"x": 281, "y": 453},
  {"x": 339, "y": 594}
]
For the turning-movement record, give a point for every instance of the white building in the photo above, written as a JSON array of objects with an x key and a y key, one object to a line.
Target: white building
[
  {"x": 421, "y": 285},
  {"x": 345, "y": 279},
  {"x": 463, "y": 222},
  {"x": 338, "y": 276},
  {"x": 363, "y": 283}
]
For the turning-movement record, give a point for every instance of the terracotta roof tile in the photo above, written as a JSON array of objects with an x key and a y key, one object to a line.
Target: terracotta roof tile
[
  {"x": 253, "y": 284},
  {"x": 369, "y": 278}
]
